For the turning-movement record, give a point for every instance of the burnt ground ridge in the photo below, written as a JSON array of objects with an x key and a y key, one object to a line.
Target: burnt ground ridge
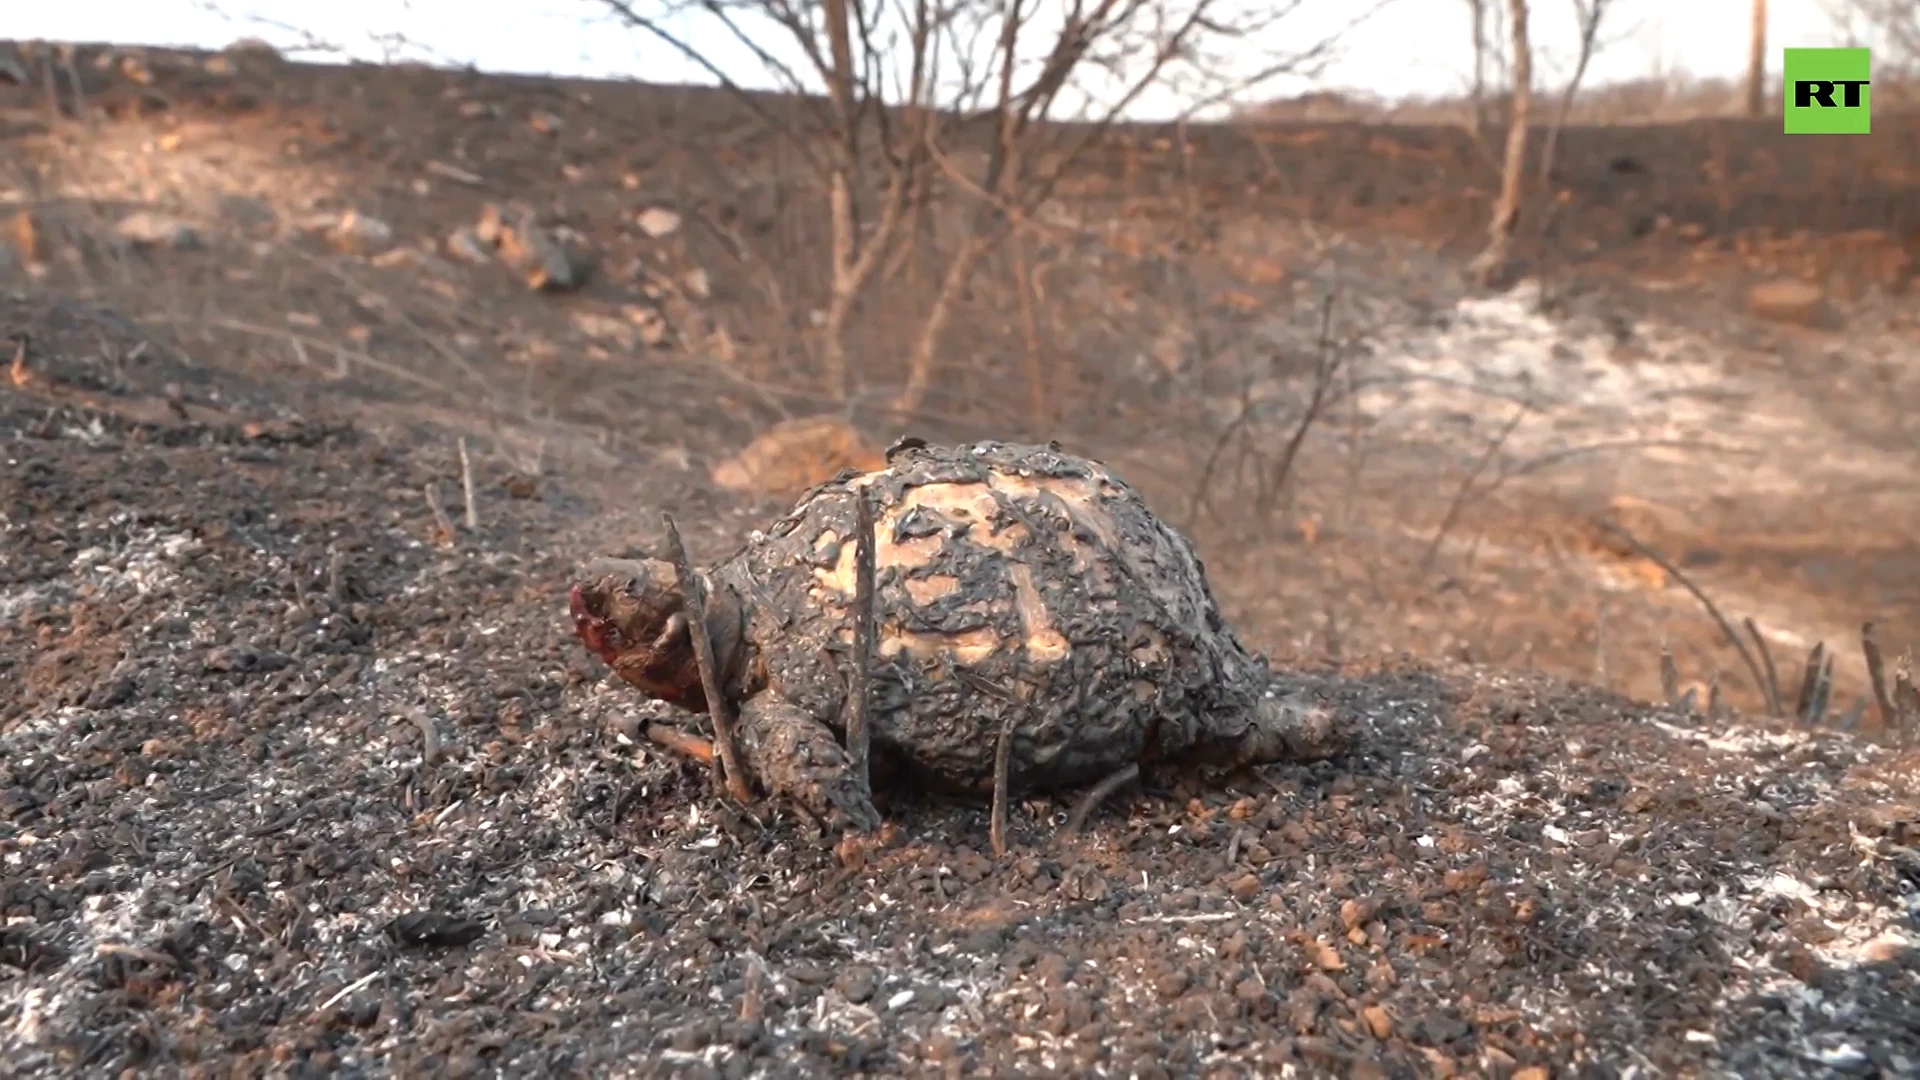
[{"x": 291, "y": 784}]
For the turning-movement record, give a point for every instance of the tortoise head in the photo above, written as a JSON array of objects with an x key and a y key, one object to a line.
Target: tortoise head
[{"x": 631, "y": 614}]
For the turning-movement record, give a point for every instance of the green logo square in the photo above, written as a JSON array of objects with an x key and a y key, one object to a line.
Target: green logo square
[{"x": 1827, "y": 91}]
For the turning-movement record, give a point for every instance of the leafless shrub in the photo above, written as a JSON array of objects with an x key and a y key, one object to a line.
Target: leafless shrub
[
  {"x": 1492, "y": 262},
  {"x": 965, "y": 98}
]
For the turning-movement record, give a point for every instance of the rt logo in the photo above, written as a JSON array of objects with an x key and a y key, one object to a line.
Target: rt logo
[{"x": 1828, "y": 91}]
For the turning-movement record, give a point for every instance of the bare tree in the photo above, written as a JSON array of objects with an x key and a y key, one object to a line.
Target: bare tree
[
  {"x": 1492, "y": 262},
  {"x": 831, "y": 140},
  {"x": 1477, "y": 120},
  {"x": 1890, "y": 27},
  {"x": 962, "y": 97},
  {"x": 1757, "y": 61},
  {"x": 1587, "y": 14}
]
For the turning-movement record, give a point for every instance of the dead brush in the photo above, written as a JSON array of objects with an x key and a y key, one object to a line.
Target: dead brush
[{"x": 1898, "y": 707}]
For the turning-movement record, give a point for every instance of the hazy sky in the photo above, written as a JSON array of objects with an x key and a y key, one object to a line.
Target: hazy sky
[{"x": 1412, "y": 47}]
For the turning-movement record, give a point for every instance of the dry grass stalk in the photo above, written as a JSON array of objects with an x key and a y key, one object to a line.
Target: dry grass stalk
[
  {"x": 727, "y": 769},
  {"x": 17, "y": 371},
  {"x": 859, "y": 693},
  {"x": 338, "y": 586},
  {"x": 1466, "y": 489},
  {"x": 466, "y": 487},
  {"x": 1687, "y": 583},
  {"x": 442, "y": 522},
  {"x": 1906, "y": 702},
  {"x": 1002, "y": 768},
  {"x": 1877, "y": 678},
  {"x": 1809, "y": 681},
  {"x": 1771, "y": 689},
  {"x": 751, "y": 999},
  {"x": 1669, "y": 676}
]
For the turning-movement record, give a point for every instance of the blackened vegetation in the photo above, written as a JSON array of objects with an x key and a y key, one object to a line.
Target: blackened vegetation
[{"x": 434, "y": 929}]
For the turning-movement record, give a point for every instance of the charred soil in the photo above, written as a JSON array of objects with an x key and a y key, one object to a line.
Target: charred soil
[{"x": 303, "y": 773}]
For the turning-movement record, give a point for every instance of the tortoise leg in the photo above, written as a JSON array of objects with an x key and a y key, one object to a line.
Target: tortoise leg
[{"x": 799, "y": 758}]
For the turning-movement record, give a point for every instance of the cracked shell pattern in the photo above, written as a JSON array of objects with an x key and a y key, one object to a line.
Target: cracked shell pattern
[{"x": 1011, "y": 583}]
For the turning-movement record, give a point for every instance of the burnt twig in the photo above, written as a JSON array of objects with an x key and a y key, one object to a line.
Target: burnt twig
[
  {"x": 338, "y": 585},
  {"x": 466, "y": 487},
  {"x": 1002, "y": 768},
  {"x": 1466, "y": 488},
  {"x": 726, "y": 759},
  {"x": 1810, "y": 682},
  {"x": 1687, "y": 583},
  {"x": 1822, "y": 695},
  {"x": 1877, "y": 677},
  {"x": 429, "y": 736},
  {"x": 1669, "y": 676},
  {"x": 440, "y": 517},
  {"x": 751, "y": 1005},
  {"x": 1326, "y": 365},
  {"x": 1906, "y": 703},
  {"x": 859, "y": 697},
  {"x": 1096, "y": 795},
  {"x": 681, "y": 742},
  {"x": 1775, "y": 703}
]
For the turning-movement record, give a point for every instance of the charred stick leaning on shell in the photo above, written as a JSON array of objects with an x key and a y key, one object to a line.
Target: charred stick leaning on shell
[{"x": 1014, "y": 586}]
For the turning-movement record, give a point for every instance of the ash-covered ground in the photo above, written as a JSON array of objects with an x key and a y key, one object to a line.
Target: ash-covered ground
[{"x": 291, "y": 784}]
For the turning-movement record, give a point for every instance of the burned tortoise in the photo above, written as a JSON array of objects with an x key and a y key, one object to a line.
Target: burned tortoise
[{"x": 1016, "y": 589}]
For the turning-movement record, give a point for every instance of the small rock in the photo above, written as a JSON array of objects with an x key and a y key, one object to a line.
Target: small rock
[
  {"x": 1795, "y": 302},
  {"x": 939, "y": 1047},
  {"x": 414, "y": 257},
  {"x": 1356, "y": 913},
  {"x": 658, "y": 222},
  {"x": 857, "y": 984},
  {"x": 465, "y": 245},
  {"x": 807, "y": 975},
  {"x": 1886, "y": 949},
  {"x": 356, "y": 233},
  {"x": 545, "y": 122},
  {"x": 434, "y": 929},
  {"x": 1172, "y": 984},
  {"x": 25, "y": 237},
  {"x": 606, "y": 328},
  {"x": 1378, "y": 1021},
  {"x": 492, "y": 226},
  {"x": 144, "y": 228},
  {"x": 1325, "y": 956},
  {"x": 454, "y": 173},
  {"x": 697, "y": 284},
  {"x": 651, "y": 324},
  {"x": 252, "y": 46},
  {"x": 796, "y": 454},
  {"x": 136, "y": 70},
  {"x": 1246, "y": 887},
  {"x": 543, "y": 259}
]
